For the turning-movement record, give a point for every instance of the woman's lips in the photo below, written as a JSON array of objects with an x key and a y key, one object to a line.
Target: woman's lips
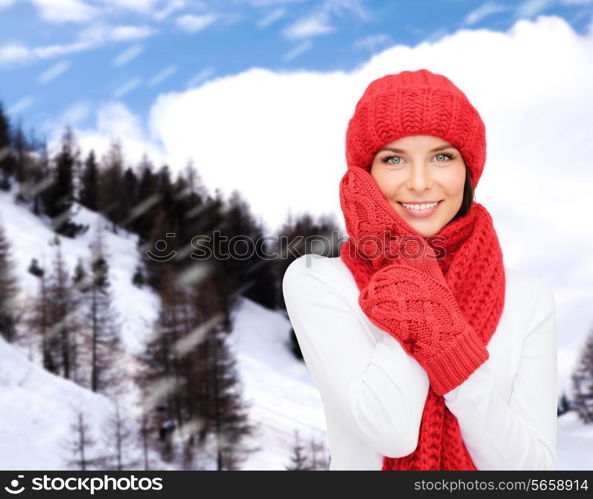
[{"x": 421, "y": 213}]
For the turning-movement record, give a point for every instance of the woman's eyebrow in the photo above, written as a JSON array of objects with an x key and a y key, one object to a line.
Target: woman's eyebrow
[{"x": 395, "y": 149}]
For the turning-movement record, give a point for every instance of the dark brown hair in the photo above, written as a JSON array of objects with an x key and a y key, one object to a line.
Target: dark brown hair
[{"x": 469, "y": 196}]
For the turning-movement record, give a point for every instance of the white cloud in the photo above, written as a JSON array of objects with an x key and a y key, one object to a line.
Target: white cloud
[
  {"x": 75, "y": 113},
  {"x": 353, "y": 6},
  {"x": 530, "y": 8},
  {"x": 20, "y": 105},
  {"x": 100, "y": 32},
  {"x": 272, "y": 17},
  {"x": 53, "y": 72},
  {"x": 200, "y": 76},
  {"x": 127, "y": 87},
  {"x": 92, "y": 36},
  {"x": 141, "y": 6},
  {"x": 317, "y": 24},
  {"x": 127, "y": 55},
  {"x": 267, "y": 3},
  {"x": 371, "y": 42},
  {"x": 113, "y": 121},
  {"x": 298, "y": 50},
  {"x": 6, "y": 3},
  {"x": 192, "y": 23},
  {"x": 60, "y": 11},
  {"x": 483, "y": 11},
  {"x": 162, "y": 75},
  {"x": 170, "y": 7},
  {"x": 13, "y": 53}
]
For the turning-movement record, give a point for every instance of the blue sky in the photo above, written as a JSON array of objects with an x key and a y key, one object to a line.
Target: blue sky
[{"x": 64, "y": 57}]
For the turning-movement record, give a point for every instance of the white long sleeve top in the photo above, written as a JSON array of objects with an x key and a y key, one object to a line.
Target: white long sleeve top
[{"x": 373, "y": 392}]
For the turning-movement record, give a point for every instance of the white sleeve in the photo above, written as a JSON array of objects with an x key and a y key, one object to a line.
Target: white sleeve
[
  {"x": 519, "y": 434},
  {"x": 373, "y": 387}
]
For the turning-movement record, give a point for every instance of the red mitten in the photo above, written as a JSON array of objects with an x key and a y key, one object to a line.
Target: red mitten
[{"x": 410, "y": 299}]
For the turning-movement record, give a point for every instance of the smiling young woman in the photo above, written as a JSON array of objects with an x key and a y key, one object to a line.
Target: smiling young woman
[{"x": 425, "y": 360}]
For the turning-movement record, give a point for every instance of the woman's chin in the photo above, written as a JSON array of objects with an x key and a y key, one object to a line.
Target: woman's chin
[{"x": 425, "y": 227}]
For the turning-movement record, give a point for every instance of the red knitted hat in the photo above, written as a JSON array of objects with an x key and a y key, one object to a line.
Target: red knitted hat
[{"x": 415, "y": 103}]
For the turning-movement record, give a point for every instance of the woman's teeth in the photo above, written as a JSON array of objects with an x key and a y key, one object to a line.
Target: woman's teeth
[{"x": 420, "y": 207}]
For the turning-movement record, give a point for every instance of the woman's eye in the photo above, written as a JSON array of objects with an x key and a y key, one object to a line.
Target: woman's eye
[
  {"x": 445, "y": 155},
  {"x": 389, "y": 158}
]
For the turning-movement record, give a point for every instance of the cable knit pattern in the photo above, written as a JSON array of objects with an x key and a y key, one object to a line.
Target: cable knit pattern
[
  {"x": 423, "y": 315},
  {"x": 441, "y": 297}
]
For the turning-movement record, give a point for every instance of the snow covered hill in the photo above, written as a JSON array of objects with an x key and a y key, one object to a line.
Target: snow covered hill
[{"x": 37, "y": 407}]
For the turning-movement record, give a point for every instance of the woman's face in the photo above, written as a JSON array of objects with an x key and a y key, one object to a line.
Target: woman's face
[{"x": 421, "y": 169}]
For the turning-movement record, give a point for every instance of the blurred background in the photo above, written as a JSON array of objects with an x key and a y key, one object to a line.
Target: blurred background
[{"x": 129, "y": 127}]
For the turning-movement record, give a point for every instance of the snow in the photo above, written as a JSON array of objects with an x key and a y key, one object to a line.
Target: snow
[
  {"x": 37, "y": 410},
  {"x": 37, "y": 407},
  {"x": 575, "y": 443}
]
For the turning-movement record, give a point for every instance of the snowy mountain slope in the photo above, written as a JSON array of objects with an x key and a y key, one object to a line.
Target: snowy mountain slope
[
  {"x": 279, "y": 387},
  {"x": 37, "y": 409},
  {"x": 30, "y": 237}
]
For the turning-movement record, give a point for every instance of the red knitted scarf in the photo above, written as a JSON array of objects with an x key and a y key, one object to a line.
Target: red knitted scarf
[{"x": 470, "y": 257}]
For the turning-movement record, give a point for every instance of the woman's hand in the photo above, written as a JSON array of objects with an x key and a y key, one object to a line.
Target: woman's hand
[{"x": 411, "y": 300}]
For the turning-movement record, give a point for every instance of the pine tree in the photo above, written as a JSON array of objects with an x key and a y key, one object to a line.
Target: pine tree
[
  {"x": 58, "y": 197},
  {"x": 89, "y": 188},
  {"x": 40, "y": 321},
  {"x": 138, "y": 279},
  {"x": 582, "y": 382},
  {"x": 80, "y": 279},
  {"x": 319, "y": 455},
  {"x": 81, "y": 444},
  {"x": 245, "y": 257},
  {"x": 189, "y": 452},
  {"x": 132, "y": 190},
  {"x": 30, "y": 169},
  {"x": 160, "y": 377},
  {"x": 226, "y": 414},
  {"x": 149, "y": 418},
  {"x": 118, "y": 438},
  {"x": 39, "y": 179},
  {"x": 8, "y": 291},
  {"x": 102, "y": 327},
  {"x": 6, "y": 153},
  {"x": 163, "y": 243},
  {"x": 141, "y": 218},
  {"x": 563, "y": 405},
  {"x": 21, "y": 154},
  {"x": 188, "y": 366},
  {"x": 299, "y": 460},
  {"x": 63, "y": 314},
  {"x": 195, "y": 182},
  {"x": 144, "y": 437},
  {"x": 112, "y": 196}
]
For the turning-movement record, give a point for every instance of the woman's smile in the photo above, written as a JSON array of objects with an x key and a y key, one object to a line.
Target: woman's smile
[{"x": 420, "y": 210}]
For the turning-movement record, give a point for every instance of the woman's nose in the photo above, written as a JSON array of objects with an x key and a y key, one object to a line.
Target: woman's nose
[{"x": 419, "y": 178}]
